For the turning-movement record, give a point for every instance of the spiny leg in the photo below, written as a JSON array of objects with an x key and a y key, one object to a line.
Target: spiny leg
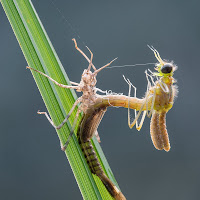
[
  {"x": 136, "y": 114},
  {"x": 90, "y": 64},
  {"x": 149, "y": 98},
  {"x": 97, "y": 136},
  {"x": 129, "y": 94},
  {"x": 152, "y": 104},
  {"x": 66, "y": 118},
  {"x": 148, "y": 91},
  {"x": 59, "y": 84},
  {"x": 83, "y": 53},
  {"x": 143, "y": 115},
  {"x": 63, "y": 147},
  {"x": 163, "y": 86},
  {"x": 74, "y": 83},
  {"x": 99, "y": 90},
  {"x": 151, "y": 77},
  {"x": 90, "y": 60},
  {"x": 98, "y": 70},
  {"x": 154, "y": 91},
  {"x": 142, "y": 121},
  {"x": 138, "y": 127}
]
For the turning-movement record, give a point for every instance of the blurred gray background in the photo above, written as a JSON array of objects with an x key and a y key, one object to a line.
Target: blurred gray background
[{"x": 33, "y": 167}]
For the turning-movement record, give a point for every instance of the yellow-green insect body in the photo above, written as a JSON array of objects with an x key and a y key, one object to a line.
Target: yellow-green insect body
[
  {"x": 158, "y": 99},
  {"x": 164, "y": 92},
  {"x": 164, "y": 100}
]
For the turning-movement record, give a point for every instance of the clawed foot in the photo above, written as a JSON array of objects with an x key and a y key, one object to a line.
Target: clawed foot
[
  {"x": 63, "y": 147},
  {"x": 40, "y": 113},
  {"x": 97, "y": 136}
]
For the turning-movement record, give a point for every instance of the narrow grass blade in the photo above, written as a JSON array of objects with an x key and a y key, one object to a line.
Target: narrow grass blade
[{"x": 41, "y": 55}]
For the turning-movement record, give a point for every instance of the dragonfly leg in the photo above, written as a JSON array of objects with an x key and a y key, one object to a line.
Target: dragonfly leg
[
  {"x": 63, "y": 147},
  {"x": 74, "y": 83},
  {"x": 149, "y": 85},
  {"x": 59, "y": 84},
  {"x": 97, "y": 136},
  {"x": 89, "y": 60},
  {"x": 135, "y": 122},
  {"x": 98, "y": 70},
  {"x": 66, "y": 118},
  {"x": 90, "y": 63}
]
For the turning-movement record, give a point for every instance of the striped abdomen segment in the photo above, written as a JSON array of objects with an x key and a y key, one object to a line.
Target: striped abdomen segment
[
  {"x": 158, "y": 131},
  {"x": 91, "y": 157},
  {"x": 87, "y": 128}
]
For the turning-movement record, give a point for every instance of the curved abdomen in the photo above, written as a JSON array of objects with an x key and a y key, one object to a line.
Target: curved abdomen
[
  {"x": 87, "y": 128},
  {"x": 158, "y": 131}
]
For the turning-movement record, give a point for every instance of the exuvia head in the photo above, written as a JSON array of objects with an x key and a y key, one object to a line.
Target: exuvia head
[{"x": 164, "y": 68}]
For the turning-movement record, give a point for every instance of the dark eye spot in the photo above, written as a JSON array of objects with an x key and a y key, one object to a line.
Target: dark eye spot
[{"x": 167, "y": 68}]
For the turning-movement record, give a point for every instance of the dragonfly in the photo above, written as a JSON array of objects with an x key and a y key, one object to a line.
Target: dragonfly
[{"x": 158, "y": 100}]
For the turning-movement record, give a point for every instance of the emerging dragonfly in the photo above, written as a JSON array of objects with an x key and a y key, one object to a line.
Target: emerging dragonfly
[
  {"x": 158, "y": 100},
  {"x": 160, "y": 95}
]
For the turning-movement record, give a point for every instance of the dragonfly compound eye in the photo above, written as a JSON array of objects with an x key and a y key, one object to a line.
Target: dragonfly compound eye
[{"x": 167, "y": 68}]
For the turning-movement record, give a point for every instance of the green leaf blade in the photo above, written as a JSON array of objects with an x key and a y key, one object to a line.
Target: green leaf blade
[{"x": 40, "y": 55}]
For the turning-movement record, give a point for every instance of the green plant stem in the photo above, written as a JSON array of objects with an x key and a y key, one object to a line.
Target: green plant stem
[{"x": 41, "y": 55}]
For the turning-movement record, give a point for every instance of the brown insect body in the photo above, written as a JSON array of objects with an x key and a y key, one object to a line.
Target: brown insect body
[{"x": 87, "y": 129}]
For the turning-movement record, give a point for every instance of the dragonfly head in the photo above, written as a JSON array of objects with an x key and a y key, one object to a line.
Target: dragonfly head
[{"x": 163, "y": 68}]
